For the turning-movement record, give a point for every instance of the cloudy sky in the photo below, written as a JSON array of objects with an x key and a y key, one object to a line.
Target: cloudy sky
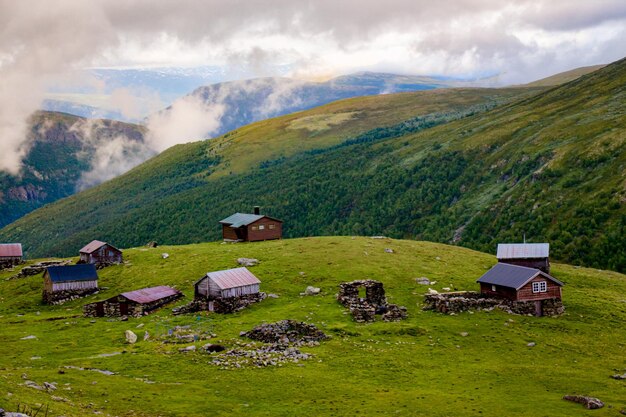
[{"x": 43, "y": 42}]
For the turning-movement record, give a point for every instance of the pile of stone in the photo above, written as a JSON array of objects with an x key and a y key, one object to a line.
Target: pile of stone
[
  {"x": 185, "y": 334},
  {"x": 365, "y": 309},
  {"x": 38, "y": 268},
  {"x": 247, "y": 261},
  {"x": 286, "y": 332},
  {"x": 457, "y": 302},
  {"x": 253, "y": 355}
]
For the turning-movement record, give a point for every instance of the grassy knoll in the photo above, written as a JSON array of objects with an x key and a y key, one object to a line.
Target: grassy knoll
[{"x": 421, "y": 366}]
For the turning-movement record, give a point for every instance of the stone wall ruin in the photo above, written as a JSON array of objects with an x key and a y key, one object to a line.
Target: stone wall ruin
[
  {"x": 364, "y": 309},
  {"x": 457, "y": 302}
]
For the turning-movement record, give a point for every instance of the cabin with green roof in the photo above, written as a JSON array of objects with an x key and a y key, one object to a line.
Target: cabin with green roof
[{"x": 246, "y": 227}]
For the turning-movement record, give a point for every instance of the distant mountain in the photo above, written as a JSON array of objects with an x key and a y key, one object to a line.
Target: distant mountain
[
  {"x": 247, "y": 101},
  {"x": 82, "y": 110},
  {"x": 61, "y": 159}
]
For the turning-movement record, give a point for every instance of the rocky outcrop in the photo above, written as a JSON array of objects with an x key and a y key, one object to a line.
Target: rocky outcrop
[
  {"x": 39, "y": 267},
  {"x": 590, "y": 403},
  {"x": 286, "y": 332}
]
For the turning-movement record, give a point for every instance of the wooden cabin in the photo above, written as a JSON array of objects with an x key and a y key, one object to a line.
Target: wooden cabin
[
  {"x": 70, "y": 281},
  {"x": 100, "y": 253},
  {"x": 133, "y": 303},
  {"x": 531, "y": 255},
  {"x": 227, "y": 284},
  {"x": 247, "y": 227},
  {"x": 10, "y": 254},
  {"x": 519, "y": 283}
]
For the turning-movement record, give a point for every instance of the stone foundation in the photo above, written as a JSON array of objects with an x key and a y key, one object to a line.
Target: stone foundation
[
  {"x": 365, "y": 309},
  {"x": 111, "y": 307},
  {"x": 220, "y": 305},
  {"x": 60, "y": 297},
  {"x": 10, "y": 263},
  {"x": 457, "y": 302}
]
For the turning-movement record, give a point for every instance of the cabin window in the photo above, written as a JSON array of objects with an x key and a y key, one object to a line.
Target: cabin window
[
  {"x": 493, "y": 288},
  {"x": 541, "y": 286},
  {"x": 262, "y": 227},
  {"x": 272, "y": 226},
  {"x": 255, "y": 228}
]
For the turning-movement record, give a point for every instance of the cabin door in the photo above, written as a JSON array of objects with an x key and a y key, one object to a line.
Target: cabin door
[
  {"x": 123, "y": 309},
  {"x": 99, "y": 310},
  {"x": 211, "y": 308},
  {"x": 538, "y": 309}
]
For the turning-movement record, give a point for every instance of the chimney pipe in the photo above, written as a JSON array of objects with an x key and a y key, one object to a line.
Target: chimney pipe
[{"x": 257, "y": 210}]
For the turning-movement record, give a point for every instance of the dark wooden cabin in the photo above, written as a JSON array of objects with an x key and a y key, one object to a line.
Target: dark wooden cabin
[
  {"x": 531, "y": 255},
  {"x": 247, "y": 227},
  {"x": 70, "y": 281},
  {"x": 10, "y": 254},
  {"x": 519, "y": 283},
  {"x": 133, "y": 303},
  {"x": 100, "y": 253}
]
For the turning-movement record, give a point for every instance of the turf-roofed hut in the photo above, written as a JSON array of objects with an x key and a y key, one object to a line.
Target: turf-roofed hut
[
  {"x": 63, "y": 283},
  {"x": 521, "y": 284},
  {"x": 227, "y": 291},
  {"x": 100, "y": 254},
  {"x": 531, "y": 255},
  {"x": 133, "y": 303},
  {"x": 10, "y": 254},
  {"x": 246, "y": 227}
]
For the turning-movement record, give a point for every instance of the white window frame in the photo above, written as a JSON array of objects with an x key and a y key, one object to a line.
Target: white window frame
[
  {"x": 493, "y": 288},
  {"x": 261, "y": 227},
  {"x": 540, "y": 286}
]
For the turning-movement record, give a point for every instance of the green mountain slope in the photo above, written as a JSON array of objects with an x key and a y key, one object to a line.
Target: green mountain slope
[
  {"x": 63, "y": 150},
  {"x": 422, "y": 366},
  {"x": 189, "y": 166},
  {"x": 549, "y": 166}
]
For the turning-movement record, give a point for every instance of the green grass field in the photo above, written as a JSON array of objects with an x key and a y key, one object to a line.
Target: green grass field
[{"x": 421, "y": 366}]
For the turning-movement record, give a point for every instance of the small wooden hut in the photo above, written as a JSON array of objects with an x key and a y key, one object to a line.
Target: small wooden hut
[
  {"x": 100, "y": 253},
  {"x": 133, "y": 303},
  {"x": 246, "y": 227},
  {"x": 531, "y": 255},
  {"x": 10, "y": 254},
  {"x": 62, "y": 283},
  {"x": 224, "y": 291}
]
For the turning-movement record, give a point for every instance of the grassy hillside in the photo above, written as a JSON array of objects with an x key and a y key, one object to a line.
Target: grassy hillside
[
  {"x": 62, "y": 151},
  {"x": 419, "y": 367}
]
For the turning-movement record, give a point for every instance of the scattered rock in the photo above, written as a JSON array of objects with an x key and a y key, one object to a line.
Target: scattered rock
[
  {"x": 431, "y": 291},
  {"x": 31, "y": 337},
  {"x": 139, "y": 326},
  {"x": 34, "y": 385},
  {"x": 165, "y": 255},
  {"x": 209, "y": 347},
  {"x": 591, "y": 403},
  {"x": 78, "y": 368},
  {"x": 531, "y": 344},
  {"x": 464, "y": 334},
  {"x": 272, "y": 295},
  {"x": 446, "y": 288},
  {"x": 311, "y": 291},
  {"x": 191, "y": 348},
  {"x": 379, "y": 237},
  {"x": 619, "y": 377},
  {"x": 422, "y": 281},
  {"x": 59, "y": 399},
  {"x": 247, "y": 261},
  {"x": 146, "y": 335},
  {"x": 389, "y": 250},
  {"x": 131, "y": 337},
  {"x": 49, "y": 386}
]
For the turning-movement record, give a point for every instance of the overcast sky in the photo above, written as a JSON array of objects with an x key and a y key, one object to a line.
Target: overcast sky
[{"x": 42, "y": 41}]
